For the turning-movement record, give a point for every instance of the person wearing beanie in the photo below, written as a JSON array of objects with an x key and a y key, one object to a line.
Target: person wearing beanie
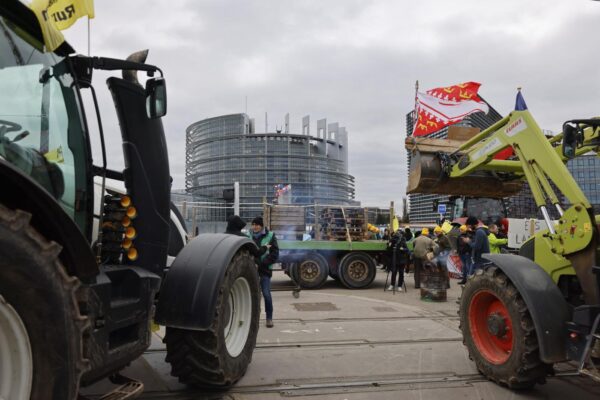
[
  {"x": 235, "y": 225},
  {"x": 423, "y": 245},
  {"x": 269, "y": 252},
  {"x": 258, "y": 221},
  {"x": 479, "y": 244}
]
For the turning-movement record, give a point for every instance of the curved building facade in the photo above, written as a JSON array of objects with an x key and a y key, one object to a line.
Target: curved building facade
[{"x": 225, "y": 149}]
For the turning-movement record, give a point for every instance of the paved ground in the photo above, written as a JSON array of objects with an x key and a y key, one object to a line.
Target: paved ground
[{"x": 334, "y": 343}]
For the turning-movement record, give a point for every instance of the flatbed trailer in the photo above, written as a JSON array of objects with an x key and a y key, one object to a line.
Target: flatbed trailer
[{"x": 352, "y": 263}]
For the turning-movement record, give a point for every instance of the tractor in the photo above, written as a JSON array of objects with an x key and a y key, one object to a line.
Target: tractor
[
  {"x": 522, "y": 313},
  {"x": 84, "y": 271}
]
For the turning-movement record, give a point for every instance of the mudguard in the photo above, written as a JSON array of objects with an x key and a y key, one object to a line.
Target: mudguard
[
  {"x": 19, "y": 191},
  {"x": 190, "y": 289},
  {"x": 546, "y": 304}
]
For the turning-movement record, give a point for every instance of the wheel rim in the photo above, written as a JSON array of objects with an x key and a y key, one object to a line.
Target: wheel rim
[
  {"x": 238, "y": 316},
  {"x": 491, "y": 327},
  {"x": 309, "y": 271},
  {"x": 358, "y": 270},
  {"x": 16, "y": 363}
]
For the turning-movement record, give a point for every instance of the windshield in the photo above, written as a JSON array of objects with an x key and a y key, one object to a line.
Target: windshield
[
  {"x": 485, "y": 209},
  {"x": 40, "y": 129}
]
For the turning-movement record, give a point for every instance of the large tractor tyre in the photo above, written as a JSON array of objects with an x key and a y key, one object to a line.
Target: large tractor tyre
[
  {"x": 220, "y": 355},
  {"x": 312, "y": 271},
  {"x": 357, "y": 270},
  {"x": 498, "y": 331},
  {"x": 41, "y": 329}
]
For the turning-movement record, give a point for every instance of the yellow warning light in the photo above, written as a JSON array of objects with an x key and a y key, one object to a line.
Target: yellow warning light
[
  {"x": 126, "y": 221},
  {"x": 126, "y": 243},
  {"x": 132, "y": 254},
  {"x": 125, "y": 201},
  {"x": 131, "y": 212},
  {"x": 130, "y": 233}
]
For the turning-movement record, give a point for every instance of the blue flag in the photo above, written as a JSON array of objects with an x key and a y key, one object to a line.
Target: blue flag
[{"x": 520, "y": 104}]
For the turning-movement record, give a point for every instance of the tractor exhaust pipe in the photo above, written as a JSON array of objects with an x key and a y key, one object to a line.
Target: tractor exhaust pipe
[{"x": 138, "y": 57}]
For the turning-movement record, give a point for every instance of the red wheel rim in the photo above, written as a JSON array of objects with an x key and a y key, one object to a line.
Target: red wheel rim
[{"x": 491, "y": 327}]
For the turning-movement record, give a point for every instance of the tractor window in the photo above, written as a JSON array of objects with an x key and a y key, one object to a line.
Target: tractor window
[
  {"x": 485, "y": 209},
  {"x": 36, "y": 118}
]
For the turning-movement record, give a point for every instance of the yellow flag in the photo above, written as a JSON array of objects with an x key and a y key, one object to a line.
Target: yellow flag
[
  {"x": 395, "y": 224},
  {"x": 446, "y": 227},
  {"x": 56, "y": 15}
]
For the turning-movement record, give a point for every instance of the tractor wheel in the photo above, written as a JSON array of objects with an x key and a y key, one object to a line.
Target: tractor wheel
[
  {"x": 41, "y": 328},
  {"x": 499, "y": 332},
  {"x": 357, "y": 270},
  {"x": 312, "y": 271},
  {"x": 219, "y": 356}
]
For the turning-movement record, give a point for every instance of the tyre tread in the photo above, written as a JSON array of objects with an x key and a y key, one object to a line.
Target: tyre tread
[
  {"x": 19, "y": 222},
  {"x": 195, "y": 356},
  {"x": 531, "y": 369}
]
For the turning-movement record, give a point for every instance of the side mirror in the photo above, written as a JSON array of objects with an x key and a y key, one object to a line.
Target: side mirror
[
  {"x": 569, "y": 141},
  {"x": 156, "y": 97}
]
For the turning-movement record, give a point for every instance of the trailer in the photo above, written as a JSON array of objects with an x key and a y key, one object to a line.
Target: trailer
[{"x": 353, "y": 264}]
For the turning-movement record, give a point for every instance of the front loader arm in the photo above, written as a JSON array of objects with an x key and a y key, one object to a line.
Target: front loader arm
[{"x": 574, "y": 236}]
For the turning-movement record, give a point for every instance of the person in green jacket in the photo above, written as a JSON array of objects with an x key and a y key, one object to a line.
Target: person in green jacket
[{"x": 495, "y": 242}]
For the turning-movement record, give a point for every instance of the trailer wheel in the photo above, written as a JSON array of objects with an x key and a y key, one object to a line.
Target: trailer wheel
[
  {"x": 220, "y": 355},
  {"x": 498, "y": 331},
  {"x": 312, "y": 271},
  {"x": 41, "y": 328},
  {"x": 357, "y": 270}
]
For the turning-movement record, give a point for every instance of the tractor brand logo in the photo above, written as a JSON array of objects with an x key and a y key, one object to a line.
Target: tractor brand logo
[
  {"x": 515, "y": 127},
  {"x": 487, "y": 149}
]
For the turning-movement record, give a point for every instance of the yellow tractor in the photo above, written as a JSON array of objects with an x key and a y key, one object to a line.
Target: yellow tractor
[{"x": 521, "y": 314}]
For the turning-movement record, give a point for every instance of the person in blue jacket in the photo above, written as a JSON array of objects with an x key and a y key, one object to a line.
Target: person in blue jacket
[{"x": 479, "y": 244}]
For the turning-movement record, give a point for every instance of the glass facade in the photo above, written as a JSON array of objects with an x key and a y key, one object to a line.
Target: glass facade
[
  {"x": 586, "y": 171},
  {"x": 223, "y": 150}
]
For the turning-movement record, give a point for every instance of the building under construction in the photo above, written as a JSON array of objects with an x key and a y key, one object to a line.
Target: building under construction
[{"x": 226, "y": 149}]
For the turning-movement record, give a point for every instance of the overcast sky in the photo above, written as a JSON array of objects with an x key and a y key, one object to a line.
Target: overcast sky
[{"x": 352, "y": 62}]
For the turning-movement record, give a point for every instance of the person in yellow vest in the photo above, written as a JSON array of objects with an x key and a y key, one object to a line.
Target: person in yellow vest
[
  {"x": 269, "y": 250},
  {"x": 495, "y": 242}
]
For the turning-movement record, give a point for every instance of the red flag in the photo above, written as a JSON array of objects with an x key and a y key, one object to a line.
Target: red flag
[{"x": 441, "y": 107}]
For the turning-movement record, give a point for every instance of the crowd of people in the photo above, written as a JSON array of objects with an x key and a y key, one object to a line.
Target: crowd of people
[{"x": 469, "y": 241}]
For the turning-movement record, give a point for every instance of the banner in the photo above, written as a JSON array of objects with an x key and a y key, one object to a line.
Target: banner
[{"x": 440, "y": 107}]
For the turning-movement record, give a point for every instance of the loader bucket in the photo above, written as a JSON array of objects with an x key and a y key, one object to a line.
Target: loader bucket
[{"x": 426, "y": 176}]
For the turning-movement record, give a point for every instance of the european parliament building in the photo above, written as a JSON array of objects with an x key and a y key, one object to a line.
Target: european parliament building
[{"x": 226, "y": 149}]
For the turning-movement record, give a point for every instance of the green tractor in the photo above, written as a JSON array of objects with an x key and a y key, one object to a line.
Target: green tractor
[
  {"x": 520, "y": 314},
  {"x": 82, "y": 276}
]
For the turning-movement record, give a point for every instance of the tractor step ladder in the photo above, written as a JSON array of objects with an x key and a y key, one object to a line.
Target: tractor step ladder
[
  {"x": 587, "y": 366},
  {"x": 128, "y": 389}
]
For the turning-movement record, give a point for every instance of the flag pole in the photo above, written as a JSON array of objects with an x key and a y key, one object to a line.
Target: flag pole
[
  {"x": 415, "y": 112},
  {"x": 88, "y": 26}
]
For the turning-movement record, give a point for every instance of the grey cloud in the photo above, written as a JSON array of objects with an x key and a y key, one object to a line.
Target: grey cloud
[{"x": 354, "y": 62}]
